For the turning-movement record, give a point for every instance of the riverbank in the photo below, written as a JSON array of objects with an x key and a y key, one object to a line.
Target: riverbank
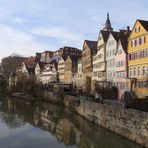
[{"x": 130, "y": 123}]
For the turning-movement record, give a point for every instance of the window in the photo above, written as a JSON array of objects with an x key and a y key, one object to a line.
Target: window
[
  {"x": 131, "y": 43},
  {"x": 135, "y": 42},
  {"x": 137, "y": 29},
  {"x": 144, "y": 39},
  {"x": 138, "y": 71},
  {"x": 143, "y": 71},
  {"x": 140, "y": 41},
  {"x": 134, "y": 71},
  {"x": 130, "y": 72},
  {"x": 144, "y": 53}
]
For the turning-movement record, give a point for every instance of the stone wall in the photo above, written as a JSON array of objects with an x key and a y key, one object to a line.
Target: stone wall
[{"x": 132, "y": 124}]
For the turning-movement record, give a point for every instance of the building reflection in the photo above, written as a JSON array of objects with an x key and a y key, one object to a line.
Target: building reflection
[{"x": 68, "y": 128}]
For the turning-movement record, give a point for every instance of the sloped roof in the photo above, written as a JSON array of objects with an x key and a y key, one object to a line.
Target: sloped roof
[
  {"x": 30, "y": 64},
  {"x": 42, "y": 65},
  {"x": 116, "y": 35},
  {"x": 105, "y": 35},
  {"x": 91, "y": 44},
  {"x": 70, "y": 48},
  {"x": 124, "y": 43},
  {"x": 144, "y": 24}
]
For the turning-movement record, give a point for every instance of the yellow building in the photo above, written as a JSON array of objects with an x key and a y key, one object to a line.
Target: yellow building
[{"x": 138, "y": 59}]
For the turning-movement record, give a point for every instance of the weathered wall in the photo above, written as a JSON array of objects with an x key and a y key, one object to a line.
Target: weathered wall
[{"x": 132, "y": 124}]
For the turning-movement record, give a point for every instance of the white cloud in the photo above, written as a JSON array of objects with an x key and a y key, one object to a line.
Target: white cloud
[
  {"x": 18, "y": 20},
  {"x": 12, "y": 41},
  {"x": 57, "y": 33}
]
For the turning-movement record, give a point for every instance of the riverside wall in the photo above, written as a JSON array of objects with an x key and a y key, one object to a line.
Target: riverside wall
[{"x": 132, "y": 124}]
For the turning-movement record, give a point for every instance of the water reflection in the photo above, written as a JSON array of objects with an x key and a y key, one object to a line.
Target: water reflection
[{"x": 53, "y": 126}]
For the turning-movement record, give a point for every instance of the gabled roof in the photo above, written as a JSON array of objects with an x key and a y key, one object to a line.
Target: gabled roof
[
  {"x": 91, "y": 44},
  {"x": 144, "y": 24},
  {"x": 124, "y": 43},
  {"x": 115, "y": 35},
  {"x": 30, "y": 64},
  {"x": 105, "y": 35},
  {"x": 42, "y": 65},
  {"x": 123, "y": 38}
]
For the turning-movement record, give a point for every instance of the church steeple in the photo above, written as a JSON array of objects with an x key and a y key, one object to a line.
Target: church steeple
[{"x": 108, "y": 26}]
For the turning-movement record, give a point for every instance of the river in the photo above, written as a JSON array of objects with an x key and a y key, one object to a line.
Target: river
[{"x": 43, "y": 125}]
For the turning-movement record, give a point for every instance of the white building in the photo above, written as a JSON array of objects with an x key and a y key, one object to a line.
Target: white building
[
  {"x": 99, "y": 59},
  {"x": 46, "y": 72},
  {"x": 78, "y": 78},
  {"x": 111, "y": 49}
]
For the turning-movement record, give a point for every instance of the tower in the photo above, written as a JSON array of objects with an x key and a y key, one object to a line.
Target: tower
[{"x": 108, "y": 26}]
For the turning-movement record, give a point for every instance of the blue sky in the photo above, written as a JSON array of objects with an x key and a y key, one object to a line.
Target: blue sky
[{"x": 31, "y": 26}]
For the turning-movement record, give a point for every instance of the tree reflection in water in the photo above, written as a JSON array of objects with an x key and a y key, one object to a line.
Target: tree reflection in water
[{"x": 68, "y": 128}]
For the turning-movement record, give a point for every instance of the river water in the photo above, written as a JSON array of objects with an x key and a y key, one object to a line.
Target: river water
[{"x": 43, "y": 125}]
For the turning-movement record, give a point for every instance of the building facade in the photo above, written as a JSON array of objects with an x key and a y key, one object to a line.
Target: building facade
[
  {"x": 78, "y": 77},
  {"x": 138, "y": 59},
  {"x": 61, "y": 69},
  {"x": 99, "y": 60},
  {"x": 89, "y": 49},
  {"x": 121, "y": 61},
  {"x": 71, "y": 64},
  {"x": 111, "y": 49}
]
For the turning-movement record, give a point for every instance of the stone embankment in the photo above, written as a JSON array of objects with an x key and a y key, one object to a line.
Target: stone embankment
[{"x": 132, "y": 124}]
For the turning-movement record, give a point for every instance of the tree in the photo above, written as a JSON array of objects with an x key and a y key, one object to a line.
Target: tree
[{"x": 10, "y": 64}]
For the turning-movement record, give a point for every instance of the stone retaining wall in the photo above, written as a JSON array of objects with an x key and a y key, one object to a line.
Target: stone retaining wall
[{"x": 132, "y": 124}]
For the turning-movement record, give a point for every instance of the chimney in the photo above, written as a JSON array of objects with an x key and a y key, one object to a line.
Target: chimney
[{"x": 128, "y": 29}]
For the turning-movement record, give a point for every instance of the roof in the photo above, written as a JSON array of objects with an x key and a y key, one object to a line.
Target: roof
[
  {"x": 30, "y": 64},
  {"x": 124, "y": 43},
  {"x": 115, "y": 35},
  {"x": 105, "y": 35},
  {"x": 144, "y": 24},
  {"x": 124, "y": 39},
  {"x": 42, "y": 65},
  {"x": 91, "y": 44}
]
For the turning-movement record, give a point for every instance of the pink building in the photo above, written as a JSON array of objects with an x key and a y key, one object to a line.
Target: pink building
[{"x": 121, "y": 64}]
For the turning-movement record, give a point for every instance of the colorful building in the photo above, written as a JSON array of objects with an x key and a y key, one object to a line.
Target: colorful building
[
  {"x": 71, "y": 64},
  {"x": 121, "y": 61},
  {"x": 89, "y": 48},
  {"x": 138, "y": 59}
]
